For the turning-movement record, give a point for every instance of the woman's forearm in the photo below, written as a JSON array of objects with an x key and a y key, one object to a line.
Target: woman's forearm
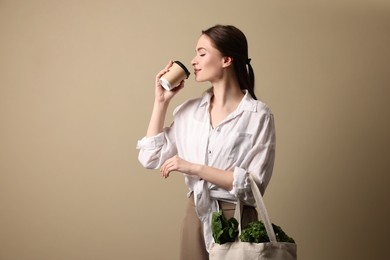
[
  {"x": 157, "y": 119},
  {"x": 221, "y": 178}
]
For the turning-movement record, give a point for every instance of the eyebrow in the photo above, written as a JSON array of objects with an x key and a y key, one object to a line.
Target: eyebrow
[{"x": 200, "y": 48}]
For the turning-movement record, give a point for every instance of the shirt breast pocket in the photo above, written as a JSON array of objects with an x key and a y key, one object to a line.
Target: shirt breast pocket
[{"x": 241, "y": 143}]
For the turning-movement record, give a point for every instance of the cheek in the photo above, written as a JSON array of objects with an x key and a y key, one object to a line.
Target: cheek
[
  {"x": 210, "y": 66},
  {"x": 213, "y": 70}
]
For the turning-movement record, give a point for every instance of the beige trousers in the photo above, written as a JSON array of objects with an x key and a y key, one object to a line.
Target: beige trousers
[{"x": 192, "y": 245}]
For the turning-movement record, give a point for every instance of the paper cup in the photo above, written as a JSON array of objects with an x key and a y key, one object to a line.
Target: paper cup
[{"x": 177, "y": 72}]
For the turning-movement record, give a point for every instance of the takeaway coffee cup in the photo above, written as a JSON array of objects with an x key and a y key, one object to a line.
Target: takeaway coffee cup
[{"x": 177, "y": 72}]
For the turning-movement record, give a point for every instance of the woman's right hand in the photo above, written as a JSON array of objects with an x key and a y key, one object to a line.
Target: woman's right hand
[{"x": 161, "y": 94}]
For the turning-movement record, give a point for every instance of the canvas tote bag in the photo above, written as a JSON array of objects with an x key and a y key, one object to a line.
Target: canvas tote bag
[{"x": 238, "y": 250}]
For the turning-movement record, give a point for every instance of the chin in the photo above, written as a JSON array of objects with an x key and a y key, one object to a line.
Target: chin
[{"x": 199, "y": 79}]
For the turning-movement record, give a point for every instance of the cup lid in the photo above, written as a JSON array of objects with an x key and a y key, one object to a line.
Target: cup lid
[{"x": 183, "y": 67}]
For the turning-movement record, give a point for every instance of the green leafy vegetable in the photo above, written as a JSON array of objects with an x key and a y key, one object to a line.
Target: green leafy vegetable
[
  {"x": 223, "y": 230},
  {"x": 227, "y": 230},
  {"x": 255, "y": 232}
]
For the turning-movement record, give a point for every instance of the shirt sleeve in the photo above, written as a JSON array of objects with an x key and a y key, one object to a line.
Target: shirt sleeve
[
  {"x": 155, "y": 150},
  {"x": 259, "y": 162}
]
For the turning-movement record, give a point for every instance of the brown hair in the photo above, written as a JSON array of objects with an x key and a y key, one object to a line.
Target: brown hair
[{"x": 231, "y": 42}]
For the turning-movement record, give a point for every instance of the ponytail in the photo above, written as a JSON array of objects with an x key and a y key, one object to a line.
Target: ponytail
[
  {"x": 245, "y": 76},
  {"x": 251, "y": 79}
]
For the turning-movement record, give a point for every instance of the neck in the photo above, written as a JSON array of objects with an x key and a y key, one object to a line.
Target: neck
[
  {"x": 227, "y": 93},
  {"x": 225, "y": 100}
]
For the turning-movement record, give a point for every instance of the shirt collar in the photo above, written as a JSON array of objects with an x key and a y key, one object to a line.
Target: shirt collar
[
  {"x": 206, "y": 97},
  {"x": 247, "y": 103}
]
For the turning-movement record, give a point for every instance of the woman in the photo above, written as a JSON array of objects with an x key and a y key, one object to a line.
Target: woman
[{"x": 215, "y": 140}]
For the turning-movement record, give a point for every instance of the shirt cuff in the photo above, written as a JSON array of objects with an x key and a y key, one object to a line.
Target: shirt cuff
[
  {"x": 241, "y": 184},
  {"x": 151, "y": 142}
]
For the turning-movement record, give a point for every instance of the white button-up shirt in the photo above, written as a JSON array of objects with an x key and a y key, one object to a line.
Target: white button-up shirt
[{"x": 244, "y": 142}]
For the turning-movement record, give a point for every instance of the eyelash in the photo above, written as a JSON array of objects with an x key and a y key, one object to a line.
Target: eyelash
[{"x": 201, "y": 55}]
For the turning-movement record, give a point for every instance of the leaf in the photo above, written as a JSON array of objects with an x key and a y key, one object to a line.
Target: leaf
[
  {"x": 255, "y": 232},
  {"x": 223, "y": 230}
]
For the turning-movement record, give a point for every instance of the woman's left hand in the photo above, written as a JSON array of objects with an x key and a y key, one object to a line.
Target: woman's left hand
[{"x": 175, "y": 163}]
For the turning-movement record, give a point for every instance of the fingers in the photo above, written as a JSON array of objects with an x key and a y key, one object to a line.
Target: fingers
[
  {"x": 179, "y": 87},
  {"x": 165, "y": 175},
  {"x": 164, "y": 170},
  {"x": 169, "y": 65},
  {"x": 168, "y": 166},
  {"x": 165, "y": 70}
]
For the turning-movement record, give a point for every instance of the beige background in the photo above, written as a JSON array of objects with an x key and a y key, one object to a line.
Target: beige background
[{"x": 76, "y": 89}]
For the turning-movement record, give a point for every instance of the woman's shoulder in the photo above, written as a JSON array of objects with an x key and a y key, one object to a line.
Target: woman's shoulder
[
  {"x": 262, "y": 116},
  {"x": 263, "y": 107},
  {"x": 259, "y": 106},
  {"x": 191, "y": 105},
  {"x": 187, "y": 106}
]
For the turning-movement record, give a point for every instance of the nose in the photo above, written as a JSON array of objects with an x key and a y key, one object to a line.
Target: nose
[{"x": 193, "y": 62}]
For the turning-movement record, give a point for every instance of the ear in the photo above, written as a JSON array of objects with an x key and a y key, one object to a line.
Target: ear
[{"x": 227, "y": 61}]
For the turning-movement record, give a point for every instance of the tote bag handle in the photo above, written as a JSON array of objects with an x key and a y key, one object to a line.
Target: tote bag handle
[{"x": 261, "y": 209}]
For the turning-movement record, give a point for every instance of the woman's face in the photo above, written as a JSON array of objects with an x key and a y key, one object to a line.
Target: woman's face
[{"x": 208, "y": 61}]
